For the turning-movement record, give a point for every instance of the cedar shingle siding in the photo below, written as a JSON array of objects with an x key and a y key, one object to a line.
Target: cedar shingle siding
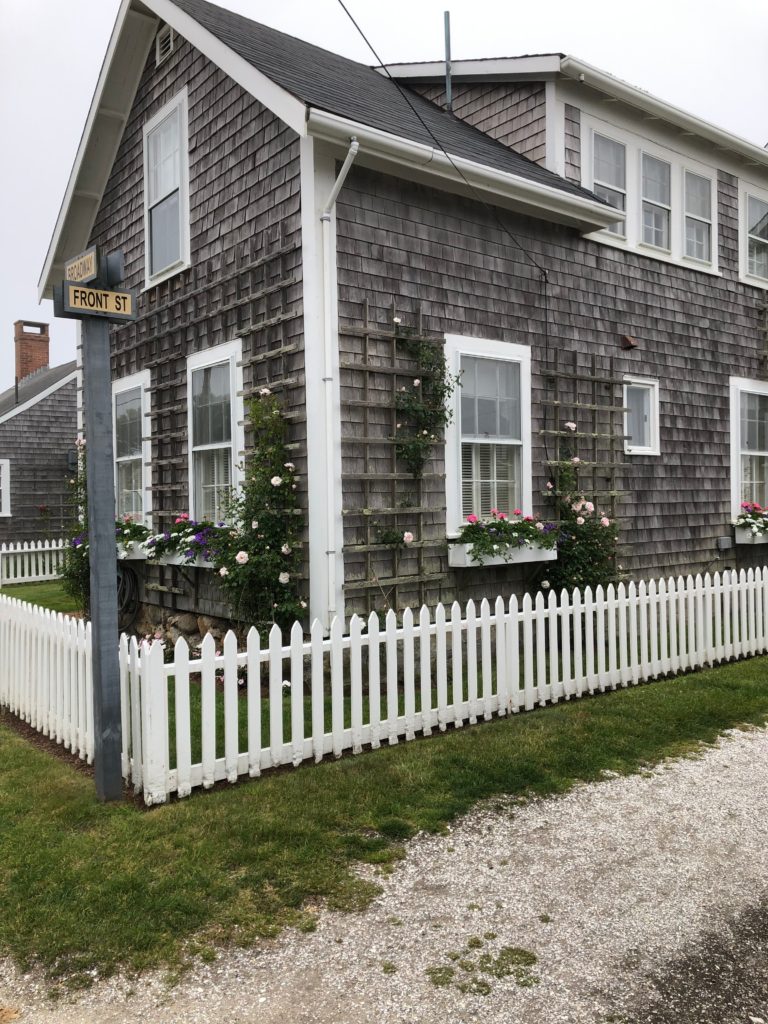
[
  {"x": 245, "y": 277},
  {"x": 36, "y": 442}
]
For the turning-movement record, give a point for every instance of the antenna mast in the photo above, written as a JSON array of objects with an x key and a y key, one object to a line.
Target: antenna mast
[{"x": 448, "y": 93}]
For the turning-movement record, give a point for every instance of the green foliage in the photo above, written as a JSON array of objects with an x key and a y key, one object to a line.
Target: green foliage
[
  {"x": 259, "y": 558},
  {"x": 501, "y": 536},
  {"x": 423, "y": 409},
  {"x": 586, "y": 546},
  {"x": 76, "y": 568}
]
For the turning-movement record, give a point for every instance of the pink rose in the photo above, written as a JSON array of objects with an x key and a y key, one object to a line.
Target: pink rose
[
  {"x": 472, "y": 518},
  {"x": 605, "y": 521},
  {"x": 517, "y": 511},
  {"x": 540, "y": 526},
  {"x": 579, "y": 520},
  {"x": 502, "y": 515},
  {"x": 575, "y": 460},
  {"x": 407, "y": 537},
  {"x": 241, "y": 557}
]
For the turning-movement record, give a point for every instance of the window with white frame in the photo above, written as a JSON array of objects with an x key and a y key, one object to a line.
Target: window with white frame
[
  {"x": 488, "y": 442},
  {"x": 215, "y": 418},
  {"x": 132, "y": 447},
  {"x": 5, "y": 487},
  {"x": 641, "y": 416},
  {"x": 749, "y": 442},
  {"x": 166, "y": 202},
  {"x": 755, "y": 234},
  {"x": 668, "y": 200}
]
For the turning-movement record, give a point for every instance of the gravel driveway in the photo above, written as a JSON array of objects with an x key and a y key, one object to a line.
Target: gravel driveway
[{"x": 637, "y": 899}]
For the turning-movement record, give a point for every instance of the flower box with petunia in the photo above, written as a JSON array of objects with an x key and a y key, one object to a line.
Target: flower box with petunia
[
  {"x": 752, "y": 524},
  {"x": 503, "y": 539}
]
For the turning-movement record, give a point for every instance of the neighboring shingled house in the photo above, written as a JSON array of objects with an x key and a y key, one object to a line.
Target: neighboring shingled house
[
  {"x": 616, "y": 257},
  {"x": 38, "y": 426}
]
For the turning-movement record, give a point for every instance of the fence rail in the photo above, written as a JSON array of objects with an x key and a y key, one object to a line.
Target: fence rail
[
  {"x": 210, "y": 715},
  {"x": 31, "y": 562}
]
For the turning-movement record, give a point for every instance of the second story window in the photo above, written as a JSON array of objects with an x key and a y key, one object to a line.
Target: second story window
[
  {"x": 657, "y": 198},
  {"x": 667, "y": 199},
  {"x": 757, "y": 234},
  {"x": 166, "y": 208}
]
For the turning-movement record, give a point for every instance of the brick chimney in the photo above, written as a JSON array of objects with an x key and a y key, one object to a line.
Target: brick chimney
[{"x": 32, "y": 341}]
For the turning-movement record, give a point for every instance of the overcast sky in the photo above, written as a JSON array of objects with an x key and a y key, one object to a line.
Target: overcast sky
[{"x": 709, "y": 58}]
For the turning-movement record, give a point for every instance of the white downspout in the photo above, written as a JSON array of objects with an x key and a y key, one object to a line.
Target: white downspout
[{"x": 329, "y": 339}]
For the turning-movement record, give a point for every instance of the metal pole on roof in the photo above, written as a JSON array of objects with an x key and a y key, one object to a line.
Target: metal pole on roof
[{"x": 448, "y": 93}]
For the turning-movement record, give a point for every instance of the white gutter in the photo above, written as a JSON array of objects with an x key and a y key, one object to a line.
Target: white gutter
[
  {"x": 586, "y": 74},
  {"x": 523, "y": 194},
  {"x": 329, "y": 341}
]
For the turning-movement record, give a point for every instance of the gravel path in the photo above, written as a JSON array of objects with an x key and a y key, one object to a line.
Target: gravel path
[{"x": 637, "y": 900}]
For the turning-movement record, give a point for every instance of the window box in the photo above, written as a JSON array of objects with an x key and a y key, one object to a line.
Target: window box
[
  {"x": 138, "y": 553},
  {"x": 460, "y": 557},
  {"x": 745, "y": 536}
]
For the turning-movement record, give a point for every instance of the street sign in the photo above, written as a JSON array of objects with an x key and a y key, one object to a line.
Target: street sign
[
  {"x": 96, "y": 302},
  {"x": 83, "y": 268}
]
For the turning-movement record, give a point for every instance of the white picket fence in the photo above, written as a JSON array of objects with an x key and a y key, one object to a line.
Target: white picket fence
[
  {"x": 189, "y": 722},
  {"x": 31, "y": 562}
]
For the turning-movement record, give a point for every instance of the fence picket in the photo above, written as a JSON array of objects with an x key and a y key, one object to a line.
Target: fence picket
[
  {"x": 486, "y": 664},
  {"x": 374, "y": 679},
  {"x": 183, "y": 716},
  {"x": 253, "y": 700},
  {"x": 409, "y": 675},
  {"x": 355, "y": 682},
  {"x": 441, "y": 668},
  {"x": 471, "y": 640},
  {"x": 231, "y": 713},
  {"x": 425, "y": 670},
  {"x": 208, "y": 709}
]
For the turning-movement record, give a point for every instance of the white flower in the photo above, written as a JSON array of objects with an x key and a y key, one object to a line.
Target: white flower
[
  {"x": 540, "y": 527},
  {"x": 754, "y": 529},
  {"x": 579, "y": 520},
  {"x": 575, "y": 460},
  {"x": 545, "y": 584},
  {"x": 425, "y": 432},
  {"x": 286, "y": 549},
  {"x": 416, "y": 382},
  {"x": 589, "y": 506},
  {"x": 264, "y": 392},
  {"x": 255, "y": 524},
  {"x": 288, "y": 465},
  {"x": 276, "y": 481},
  {"x": 303, "y": 604},
  {"x": 396, "y": 320},
  {"x": 570, "y": 425},
  {"x": 241, "y": 557},
  {"x": 223, "y": 571},
  {"x": 407, "y": 537},
  {"x": 72, "y": 480},
  {"x": 550, "y": 485},
  {"x": 605, "y": 521},
  {"x": 398, "y": 427},
  {"x": 283, "y": 578}
]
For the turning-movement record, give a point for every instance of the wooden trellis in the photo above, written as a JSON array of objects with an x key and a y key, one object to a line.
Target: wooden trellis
[{"x": 381, "y": 498}]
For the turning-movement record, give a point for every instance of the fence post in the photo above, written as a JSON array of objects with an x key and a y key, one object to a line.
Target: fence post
[{"x": 154, "y": 707}]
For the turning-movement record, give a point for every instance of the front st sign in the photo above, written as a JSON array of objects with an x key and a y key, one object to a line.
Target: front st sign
[{"x": 113, "y": 305}]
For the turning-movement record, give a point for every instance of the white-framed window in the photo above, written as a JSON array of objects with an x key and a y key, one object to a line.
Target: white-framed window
[
  {"x": 749, "y": 442},
  {"x": 214, "y": 401},
  {"x": 166, "y": 191},
  {"x": 669, "y": 200},
  {"x": 5, "y": 487},
  {"x": 641, "y": 416},
  {"x": 488, "y": 441},
  {"x": 132, "y": 447},
  {"x": 754, "y": 235}
]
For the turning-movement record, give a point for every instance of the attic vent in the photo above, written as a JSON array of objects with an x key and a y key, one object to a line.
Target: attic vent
[{"x": 163, "y": 44}]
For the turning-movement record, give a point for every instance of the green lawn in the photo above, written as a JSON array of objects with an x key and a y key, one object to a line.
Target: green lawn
[
  {"x": 87, "y": 886},
  {"x": 49, "y": 594}
]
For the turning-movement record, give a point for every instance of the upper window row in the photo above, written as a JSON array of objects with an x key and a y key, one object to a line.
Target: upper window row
[{"x": 667, "y": 204}]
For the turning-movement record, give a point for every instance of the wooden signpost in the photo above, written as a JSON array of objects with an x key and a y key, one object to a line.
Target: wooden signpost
[{"x": 96, "y": 307}]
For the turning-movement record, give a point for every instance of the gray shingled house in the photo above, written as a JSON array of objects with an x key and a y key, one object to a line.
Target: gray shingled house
[
  {"x": 38, "y": 426},
  {"x": 291, "y": 218}
]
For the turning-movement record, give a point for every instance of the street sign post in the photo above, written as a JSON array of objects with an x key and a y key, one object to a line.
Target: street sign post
[{"x": 96, "y": 307}]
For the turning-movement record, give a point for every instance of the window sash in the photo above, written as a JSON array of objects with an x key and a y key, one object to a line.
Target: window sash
[
  {"x": 490, "y": 477},
  {"x": 211, "y": 398},
  {"x": 130, "y": 488},
  {"x": 609, "y": 176},
  {"x": 128, "y": 423},
  {"x": 5, "y": 487},
  {"x": 698, "y": 217},
  {"x": 212, "y": 468},
  {"x": 638, "y": 421}
]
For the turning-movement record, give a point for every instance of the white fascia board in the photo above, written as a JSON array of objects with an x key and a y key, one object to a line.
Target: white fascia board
[
  {"x": 496, "y": 186},
  {"x": 283, "y": 104},
  {"x": 38, "y": 398},
  {"x": 641, "y": 100},
  {"x": 102, "y": 104},
  {"x": 495, "y": 69}
]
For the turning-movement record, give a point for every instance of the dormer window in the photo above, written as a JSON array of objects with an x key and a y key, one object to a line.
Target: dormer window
[{"x": 668, "y": 201}]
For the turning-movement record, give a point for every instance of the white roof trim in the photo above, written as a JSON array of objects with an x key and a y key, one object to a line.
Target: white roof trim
[
  {"x": 508, "y": 69},
  {"x": 532, "y": 197},
  {"x": 39, "y": 398},
  {"x": 133, "y": 25},
  {"x": 638, "y": 98}
]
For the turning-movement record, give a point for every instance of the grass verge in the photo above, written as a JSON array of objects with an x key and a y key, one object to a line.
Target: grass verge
[
  {"x": 86, "y": 887},
  {"x": 49, "y": 594}
]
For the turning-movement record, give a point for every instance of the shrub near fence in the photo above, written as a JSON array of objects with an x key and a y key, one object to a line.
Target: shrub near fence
[
  {"x": 216, "y": 715},
  {"x": 31, "y": 562}
]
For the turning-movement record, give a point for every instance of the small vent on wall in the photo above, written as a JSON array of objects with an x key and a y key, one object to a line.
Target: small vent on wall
[{"x": 163, "y": 44}]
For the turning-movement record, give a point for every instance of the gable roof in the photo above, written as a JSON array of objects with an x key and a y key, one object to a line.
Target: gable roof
[
  {"x": 35, "y": 388},
  {"x": 297, "y": 80},
  {"x": 338, "y": 85}
]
